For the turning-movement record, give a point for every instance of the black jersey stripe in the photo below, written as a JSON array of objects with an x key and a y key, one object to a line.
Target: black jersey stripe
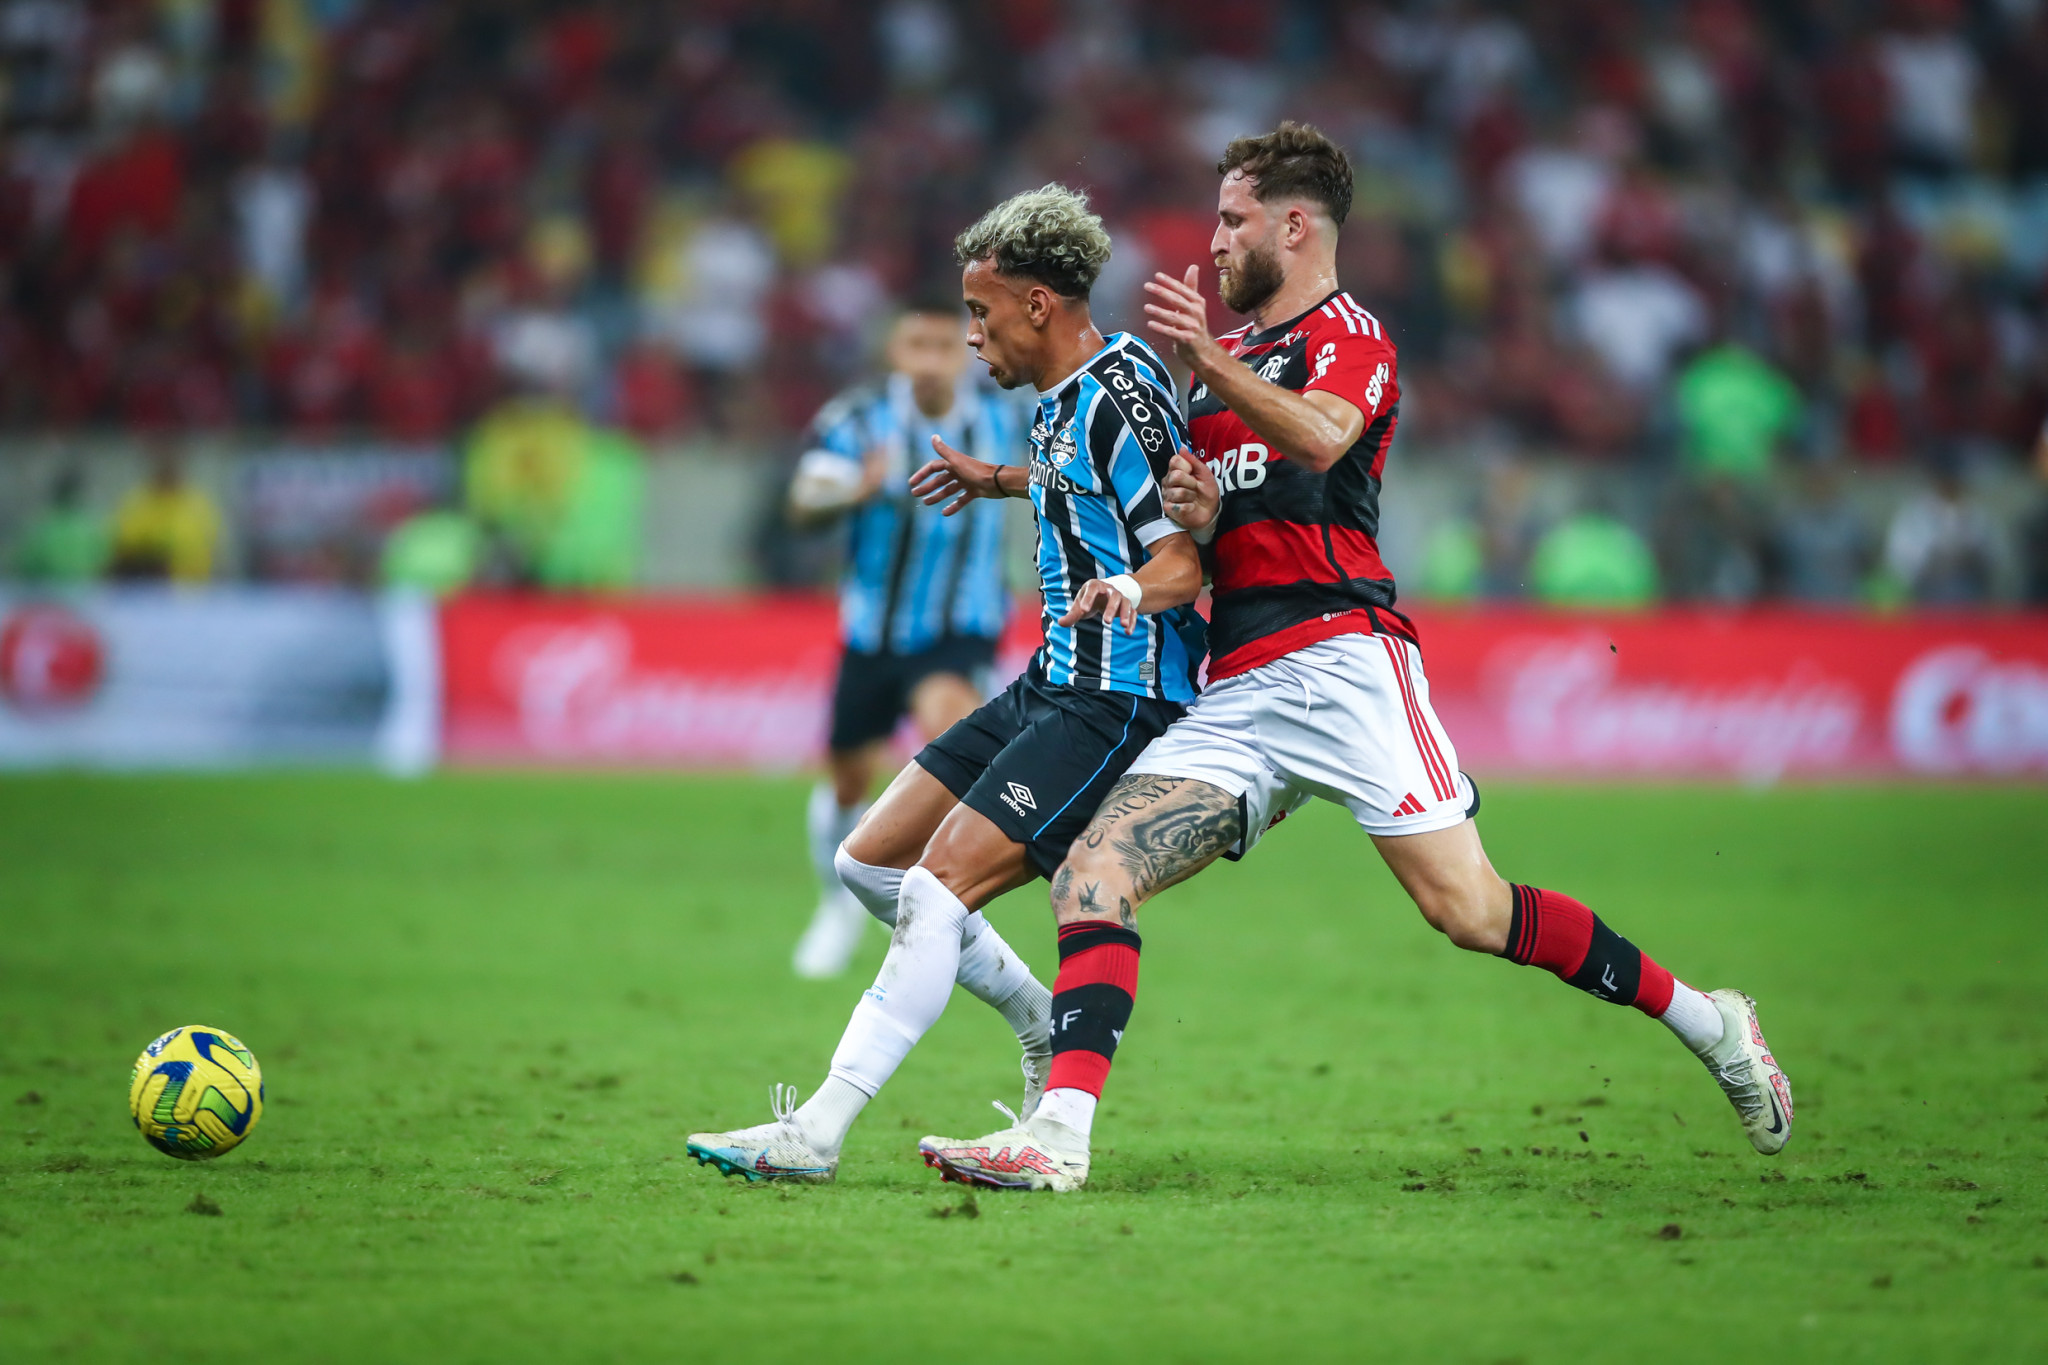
[
  {"x": 1153, "y": 417},
  {"x": 1062, "y": 513}
]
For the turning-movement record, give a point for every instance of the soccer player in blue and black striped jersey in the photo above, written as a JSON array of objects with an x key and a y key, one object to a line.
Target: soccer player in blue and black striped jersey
[
  {"x": 922, "y": 602},
  {"x": 995, "y": 801}
]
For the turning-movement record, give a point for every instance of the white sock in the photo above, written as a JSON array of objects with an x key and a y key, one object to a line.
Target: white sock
[
  {"x": 911, "y": 990},
  {"x": 1693, "y": 1017},
  {"x": 990, "y": 969},
  {"x": 827, "y": 1115},
  {"x": 878, "y": 888},
  {"x": 827, "y": 823},
  {"x": 1074, "y": 1108}
]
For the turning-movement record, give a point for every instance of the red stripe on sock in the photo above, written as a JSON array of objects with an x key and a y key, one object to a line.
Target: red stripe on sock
[
  {"x": 1107, "y": 964},
  {"x": 1653, "y": 996},
  {"x": 1078, "y": 1070},
  {"x": 1562, "y": 934}
]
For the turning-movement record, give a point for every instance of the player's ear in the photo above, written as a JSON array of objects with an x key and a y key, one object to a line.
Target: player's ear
[
  {"x": 1297, "y": 225},
  {"x": 1038, "y": 305}
]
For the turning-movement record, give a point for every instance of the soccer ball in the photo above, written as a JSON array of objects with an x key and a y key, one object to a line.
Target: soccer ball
[{"x": 196, "y": 1093}]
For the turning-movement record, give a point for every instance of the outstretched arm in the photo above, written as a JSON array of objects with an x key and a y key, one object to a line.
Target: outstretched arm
[
  {"x": 1315, "y": 429},
  {"x": 1172, "y": 577},
  {"x": 964, "y": 478}
]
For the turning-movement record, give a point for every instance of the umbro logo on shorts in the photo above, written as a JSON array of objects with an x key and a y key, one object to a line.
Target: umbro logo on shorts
[{"x": 1019, "y": 798}]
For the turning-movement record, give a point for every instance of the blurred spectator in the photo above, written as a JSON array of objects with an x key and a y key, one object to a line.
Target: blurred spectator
[
  {"x": 1714, "y": 540},
  {"x": 2034, "y": 531},
  {"x": 1636, "y": 318},
  {"x": 67, "y": 541},
  {"x": 165, "y": 528},
  {"x": 437, "y": 552},
  {"x": 1931, "y": 86},
  {"x": 273, "y": 203},
  {"x": 362, "y": 218},
  {"x": 1593, "y": 559},
  {"x": 713, "y": 291},
  {"x": 1943, "y": 546},
  {"x": 540, "y": 340},
  {"x": 1453, "y": 562},
  {"x": 1826, "y": 549},
  {"x": 1733, "y": 410},
  {"x": 562, "y": 497}
]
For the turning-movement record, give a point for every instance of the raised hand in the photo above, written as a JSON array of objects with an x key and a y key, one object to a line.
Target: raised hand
[
  {"x": 953, "y": 475},
  {"x": 1193, "y": 497},
  {"x": 1180, "y": 314}
]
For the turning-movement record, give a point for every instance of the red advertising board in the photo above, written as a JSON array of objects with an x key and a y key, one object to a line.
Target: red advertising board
[
  {"x": 1755, "y": 696},
  {"x": 719, "y": 682}
]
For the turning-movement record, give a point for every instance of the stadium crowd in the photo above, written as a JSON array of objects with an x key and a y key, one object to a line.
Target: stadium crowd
[{"x": 1746, "y": 248}]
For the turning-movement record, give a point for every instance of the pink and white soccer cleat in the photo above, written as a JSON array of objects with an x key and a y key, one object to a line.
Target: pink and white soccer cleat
[
  {"x": 1751, "y": 1078},
  {"x": 1031, "y": 1154}
]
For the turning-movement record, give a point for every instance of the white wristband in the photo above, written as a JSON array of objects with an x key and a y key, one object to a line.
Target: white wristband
[
  {"x": 1129, "y": 587},
  {"x": 1208, "y": 533}
]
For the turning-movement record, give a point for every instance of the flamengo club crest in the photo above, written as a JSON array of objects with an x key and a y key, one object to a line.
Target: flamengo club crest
[{"x": 50, "y": 659}]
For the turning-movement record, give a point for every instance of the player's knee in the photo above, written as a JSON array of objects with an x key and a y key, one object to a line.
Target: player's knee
[
  {"x": 865, "y": 844},
  {"x": 1090, "y": 885},
  {"x": 1465, "y": 914},
  {"x": 874, "y": 887}
]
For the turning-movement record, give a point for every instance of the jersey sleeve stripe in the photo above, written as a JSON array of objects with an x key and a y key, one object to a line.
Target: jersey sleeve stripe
[
  {"x": 1154, "y": 531},
  {"x": 1371, "y": 323}
]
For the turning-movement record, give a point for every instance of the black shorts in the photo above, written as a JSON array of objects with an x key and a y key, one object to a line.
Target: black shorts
[
  {"x": 874, "y": 690},
  {"x": 1039, "y": 758}
]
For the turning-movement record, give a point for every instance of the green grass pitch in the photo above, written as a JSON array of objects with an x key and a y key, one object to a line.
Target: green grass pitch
[{"x": 489, "y": 1008}]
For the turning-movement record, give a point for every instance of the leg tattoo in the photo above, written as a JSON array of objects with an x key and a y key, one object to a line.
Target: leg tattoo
[{"x": 1160, "y": 830}]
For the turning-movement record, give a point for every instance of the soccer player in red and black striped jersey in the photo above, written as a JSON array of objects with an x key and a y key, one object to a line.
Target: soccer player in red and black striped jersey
[{"x": 1316, "y": 684}]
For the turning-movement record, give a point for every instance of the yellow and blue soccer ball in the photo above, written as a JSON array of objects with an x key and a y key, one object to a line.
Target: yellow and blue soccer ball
[{"x": 196, "y": 1092}]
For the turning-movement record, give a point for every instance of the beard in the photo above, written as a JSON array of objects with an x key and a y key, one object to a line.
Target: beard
[{"x": 1255, "y": 279}]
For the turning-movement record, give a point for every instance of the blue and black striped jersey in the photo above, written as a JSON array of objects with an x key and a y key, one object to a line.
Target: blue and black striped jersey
[
  {"x": 912, "y": 575},
  {"x": 1099, "y": 447}
]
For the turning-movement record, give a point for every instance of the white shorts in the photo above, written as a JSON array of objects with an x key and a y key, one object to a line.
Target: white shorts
[{"x": 1346, "y": 719}]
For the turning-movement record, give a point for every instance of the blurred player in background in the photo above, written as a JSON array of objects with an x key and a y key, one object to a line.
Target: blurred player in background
[
  {"x": 922, "y": 602},
  {"x": 1315, "y": 681},
  {"x": 996, "y": 800}
]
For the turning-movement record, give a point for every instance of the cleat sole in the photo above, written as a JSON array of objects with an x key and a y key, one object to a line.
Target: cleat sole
[
  {"x": 960, "y": 1175},
  {"x": 724, "y": 1167}
]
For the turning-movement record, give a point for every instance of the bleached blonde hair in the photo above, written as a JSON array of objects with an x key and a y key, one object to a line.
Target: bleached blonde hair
[{"x": 1048, "y": 234}]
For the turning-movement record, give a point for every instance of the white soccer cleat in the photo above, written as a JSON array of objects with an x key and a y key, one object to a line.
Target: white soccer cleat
[
  {"x": 1031, "y": 1154},
  {"x": 1751, "y": 1078},
  {"x": 768, "y": 1151},
  {"x": 828, "y": 945}
]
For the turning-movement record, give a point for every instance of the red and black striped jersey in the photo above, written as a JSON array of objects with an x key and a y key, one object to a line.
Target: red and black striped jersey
[{"x": 1297, "y": 557}]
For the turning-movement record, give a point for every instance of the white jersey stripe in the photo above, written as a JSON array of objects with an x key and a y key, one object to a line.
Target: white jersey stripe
[{"x": 1372, "y": 324}]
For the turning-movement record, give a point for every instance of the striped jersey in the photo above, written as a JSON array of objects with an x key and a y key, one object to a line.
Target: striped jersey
[
  {"x": 1297, "y": 556},
  {"x": 1099, "y": 447},
  {"x": 914, "y": 576}
]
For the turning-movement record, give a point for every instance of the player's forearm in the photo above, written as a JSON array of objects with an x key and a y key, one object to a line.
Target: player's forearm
[
  {"x": 1290, "y": 422},
  {"x": 1013, "y": 480},
  {"x": 1172, "y": 577}
]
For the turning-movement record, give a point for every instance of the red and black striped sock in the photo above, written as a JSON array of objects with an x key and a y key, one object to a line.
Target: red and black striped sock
[
  {"x": 1091, "y": 1002},
  {"x": 1552, "y": 931}
]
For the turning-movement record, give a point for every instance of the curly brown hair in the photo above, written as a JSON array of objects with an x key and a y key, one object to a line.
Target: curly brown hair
[{"x": 1294, "y": 161}]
